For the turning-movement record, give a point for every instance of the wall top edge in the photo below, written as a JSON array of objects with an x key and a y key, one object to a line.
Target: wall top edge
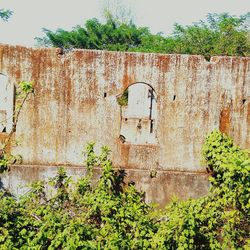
[{"x": 59, "y": 51}]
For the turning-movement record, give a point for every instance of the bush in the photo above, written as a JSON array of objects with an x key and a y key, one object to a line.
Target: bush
[
  {"x": 221, "y": 219},
  {"x": 111, "y": 215}
]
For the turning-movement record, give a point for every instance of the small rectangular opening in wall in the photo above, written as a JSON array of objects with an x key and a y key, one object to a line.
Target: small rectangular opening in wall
[
  {"x": 105, "y": 95},
  {"x": 174, "y": 97},
  {"x": 151, "y": 126}
]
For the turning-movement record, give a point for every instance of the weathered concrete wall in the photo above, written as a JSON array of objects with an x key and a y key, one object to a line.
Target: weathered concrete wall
[
  {"x": 159, "y": 189},
  {"x": 75, "y": 102}
]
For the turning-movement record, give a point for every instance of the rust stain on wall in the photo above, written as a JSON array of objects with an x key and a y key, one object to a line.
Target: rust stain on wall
[
  {"x": 248, "y": 124},
  {"x": 225, "y": 120},
  {"x": 3, "y": 139},
  {"x": 163, "y": 63},
  {"x": 75, "y": 103},
  {"x": 77, "y": 92}
]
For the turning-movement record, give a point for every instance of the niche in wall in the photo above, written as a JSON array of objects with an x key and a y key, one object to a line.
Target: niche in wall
[
  {"x": 138, "y": 114},
  {"x": 6, "y": 104}
]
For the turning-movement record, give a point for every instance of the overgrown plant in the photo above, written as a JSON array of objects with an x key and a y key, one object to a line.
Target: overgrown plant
[
  {"x": 220, "y": 220},
  {"x": 218, "y": 34},
  {"x": 123, "y": 99},
  {"x": 107, "y": 214},
  {"x": 87, "y": 215}
]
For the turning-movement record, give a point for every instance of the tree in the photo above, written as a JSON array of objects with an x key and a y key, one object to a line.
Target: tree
[
  {"x": 108, "y": 36},
  {"x": 5, "y": 14},
  {"x": 118, "y": 11},
  {"x": 219, "y": 34}
]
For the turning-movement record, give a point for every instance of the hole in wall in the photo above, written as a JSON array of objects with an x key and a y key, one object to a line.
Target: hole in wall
[
  {"x": 243, "y": 101},
  {"x": 6, "y": 104},
  {"x": 174, "y": 97},
  {"x": 153, "y": 173},
  {"x": 151, "y": 126},
  {"x": 105, "y": 95},
  {"x": 139, "y": 126},
  {"x": 122, "y": 138},
  {"x": 60, "y": 51},
  {"x": 138, "y": 114}
]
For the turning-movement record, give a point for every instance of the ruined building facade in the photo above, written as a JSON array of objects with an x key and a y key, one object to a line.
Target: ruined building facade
[{"x": 152, "y": 110}]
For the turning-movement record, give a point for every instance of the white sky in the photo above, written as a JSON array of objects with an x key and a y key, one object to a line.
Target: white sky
[{"x": 30, "y": 16}]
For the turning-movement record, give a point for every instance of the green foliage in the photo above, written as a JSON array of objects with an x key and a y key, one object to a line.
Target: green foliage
[
  {"x": 4, "y": 162},
  {"x": 109, "y": 36},
  {"x": 83, "y": 215},
  {"x": 108, "y": 214},
  {"x": 230, "y": 168},
  {"x": 220, "y": 34},
  {"x": 219, "y": 220},
  {"x": 7, "y": 159},
  {"x": 5, "y": 14},
  {"x": 123, "y": 99},
  {"x": 219, "y": 149},
  {"x": 26, "y": 87}
]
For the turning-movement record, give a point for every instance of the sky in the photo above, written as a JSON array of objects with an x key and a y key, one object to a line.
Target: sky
[{"x": 30, "y": 16}]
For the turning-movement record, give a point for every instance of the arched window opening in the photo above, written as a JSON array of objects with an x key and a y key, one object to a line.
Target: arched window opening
[
  {"x": 6, "y": 104},
  {"x": 138, "y": 114}
]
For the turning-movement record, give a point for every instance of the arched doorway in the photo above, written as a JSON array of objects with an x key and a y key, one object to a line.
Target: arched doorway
[
  {"x": 138, "y": 114},
  {"x": 6, "y": 104}
]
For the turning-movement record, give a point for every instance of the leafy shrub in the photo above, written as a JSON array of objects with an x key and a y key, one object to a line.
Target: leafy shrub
[
  {"x": 108, "y": 214},
  {"x": 82, "y": 215},
  {"x": 221, "y": 219}
]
